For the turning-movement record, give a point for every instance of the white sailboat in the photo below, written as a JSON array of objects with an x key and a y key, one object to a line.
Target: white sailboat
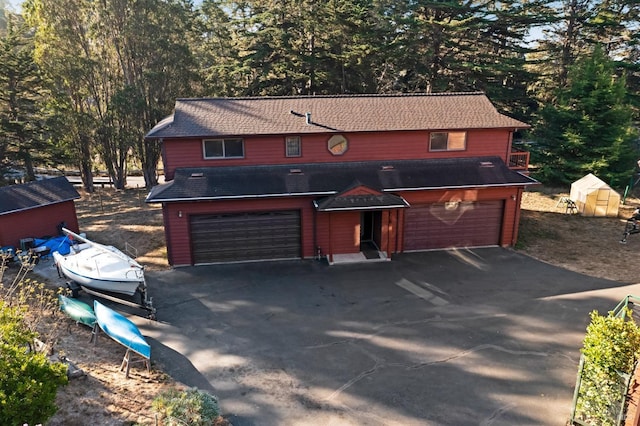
[{"x": 100, "y": 267}]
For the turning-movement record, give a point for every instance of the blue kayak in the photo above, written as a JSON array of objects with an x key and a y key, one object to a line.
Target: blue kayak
[
  {"x": 78, "y": 311},
  {"x": 121, "y": 329}
]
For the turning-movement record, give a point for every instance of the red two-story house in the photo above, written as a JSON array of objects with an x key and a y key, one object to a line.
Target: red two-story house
[{"x": 306, "y": 176}]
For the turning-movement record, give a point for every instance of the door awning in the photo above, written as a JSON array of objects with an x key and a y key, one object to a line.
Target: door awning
[{"x": 360, "y": 202}]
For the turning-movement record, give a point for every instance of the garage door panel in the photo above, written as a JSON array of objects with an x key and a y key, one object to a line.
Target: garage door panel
[
  {"x": 245, "y": 236},
  {"x": 445, "y": 225}
]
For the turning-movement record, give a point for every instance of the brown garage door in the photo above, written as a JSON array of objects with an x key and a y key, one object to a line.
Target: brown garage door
[
  {"x": 444, "y": 225},
  {"x": 245, "y": 236}
]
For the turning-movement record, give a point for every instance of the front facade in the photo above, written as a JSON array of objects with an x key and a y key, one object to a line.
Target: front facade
[{"x": 301, "y": 177}]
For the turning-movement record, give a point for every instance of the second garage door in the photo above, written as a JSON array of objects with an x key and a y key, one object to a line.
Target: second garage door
[
  {"x": 445, "y": 225},
  {"x": 245, "y": 236}
]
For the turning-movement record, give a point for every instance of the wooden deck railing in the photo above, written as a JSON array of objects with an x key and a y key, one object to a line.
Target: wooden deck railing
[{"x": 519, "y": 160}]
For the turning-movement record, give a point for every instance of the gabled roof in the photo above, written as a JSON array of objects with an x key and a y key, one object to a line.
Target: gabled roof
[
  {"x": 323, "y": 179},
  {"x": 15, "y": 198},
  {"x": 360, "y": 197},
  {"x": 326, "y": 114}
]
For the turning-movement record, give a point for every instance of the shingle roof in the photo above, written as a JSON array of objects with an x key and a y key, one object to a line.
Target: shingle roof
[
  {"x": 352, "y": 113},
  {"x": 14, "y": 198},
  {"x": 360, "y": 202},
  {"x": 322, "y": 179}
]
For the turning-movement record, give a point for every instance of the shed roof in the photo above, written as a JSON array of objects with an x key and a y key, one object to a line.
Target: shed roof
[
  {"x": 323, "y": 179},
  {"x": 15, "y": 198},
  {"x": 326, "y": 114},
  {"x": 590, "y": 182}
]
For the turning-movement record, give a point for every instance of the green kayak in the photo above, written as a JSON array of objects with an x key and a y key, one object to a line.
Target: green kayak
[{"x": 77, "y": 310}]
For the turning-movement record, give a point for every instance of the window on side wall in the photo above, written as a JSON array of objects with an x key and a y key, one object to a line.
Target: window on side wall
[
  {"x": 293, "y": 146},
  {"x": 223, "y": 148},
  {"x": 448, "y": 141}
]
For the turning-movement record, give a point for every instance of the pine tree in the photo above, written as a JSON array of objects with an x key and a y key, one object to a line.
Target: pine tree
[
  {"x": 21, "y": 93},
  {"x": 589, "y": 128}
]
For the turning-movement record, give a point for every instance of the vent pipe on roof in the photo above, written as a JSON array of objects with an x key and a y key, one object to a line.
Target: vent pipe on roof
[{"x": 308, "y": 117}]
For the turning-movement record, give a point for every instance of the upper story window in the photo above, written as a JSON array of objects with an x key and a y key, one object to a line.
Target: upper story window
[
  {"x": 448, "y": 141},
  {"x": 337, "y": 144},
  {"x": 223, "y": 148},
  {"x": 293, "y": 146}
]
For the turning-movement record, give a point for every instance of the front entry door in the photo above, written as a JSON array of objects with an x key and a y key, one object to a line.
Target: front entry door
[{"x": 370, "y": 230}]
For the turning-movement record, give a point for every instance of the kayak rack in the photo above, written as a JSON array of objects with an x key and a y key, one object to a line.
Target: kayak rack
[{"x": 147, "y": 304}]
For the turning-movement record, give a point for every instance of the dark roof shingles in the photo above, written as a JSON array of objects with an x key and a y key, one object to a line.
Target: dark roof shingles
[
  {"x": 14, "y": 198},
  {"x": 332, "y": 178}
]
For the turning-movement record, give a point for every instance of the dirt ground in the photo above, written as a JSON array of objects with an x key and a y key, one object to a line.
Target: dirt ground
[
  {"x": 103, "y": 396},
  {"x": 590, "y": 245}
]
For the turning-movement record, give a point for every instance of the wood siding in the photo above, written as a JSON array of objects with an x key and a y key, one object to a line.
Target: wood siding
[
  {"x": 345, "y": 232},
  {"x": 406, "y": 145},
  {"x": 37, "y": 222},
  {"x": 333, "y": 232}
]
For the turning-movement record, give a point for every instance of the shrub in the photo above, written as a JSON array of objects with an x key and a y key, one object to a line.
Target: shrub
[
  {"x": 191, "y": 407},
  {"x": 611, "y": 347},
  {"x": 28, "y": 382}
]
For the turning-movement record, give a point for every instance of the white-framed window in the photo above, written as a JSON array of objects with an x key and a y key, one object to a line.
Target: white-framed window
[
  {"x": 448, "y": 141},
  {"x": 293, "y": 146},
  {"x": 223, "y": 148}
]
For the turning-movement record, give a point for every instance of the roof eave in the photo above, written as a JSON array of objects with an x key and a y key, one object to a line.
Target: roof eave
[
  {"x": 240, "y": 197},
  {"x": 38, "y": 206}
]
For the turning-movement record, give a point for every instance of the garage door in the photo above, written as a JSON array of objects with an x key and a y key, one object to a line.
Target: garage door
[
  {"x": 455, "y": 224},
  {"x": 245, "y": 236}
]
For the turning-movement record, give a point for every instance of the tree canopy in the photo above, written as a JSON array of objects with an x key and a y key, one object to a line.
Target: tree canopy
[{"x": 94, "y": 77}]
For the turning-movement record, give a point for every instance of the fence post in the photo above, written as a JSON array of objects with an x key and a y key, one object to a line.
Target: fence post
[{"x": 577, "y": 390}]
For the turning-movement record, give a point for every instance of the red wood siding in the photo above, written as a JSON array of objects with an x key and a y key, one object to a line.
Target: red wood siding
[
  {"x": 177, "y": 222},
  {"x": 362, "y": 147},
  {"x": 37, "y": 222},
  {"x": 345, "y": 232},
  {"x": 333, "y": 232}
]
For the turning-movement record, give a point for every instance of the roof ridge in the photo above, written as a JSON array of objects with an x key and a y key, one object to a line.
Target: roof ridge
[{"x": 337, "y": 96}]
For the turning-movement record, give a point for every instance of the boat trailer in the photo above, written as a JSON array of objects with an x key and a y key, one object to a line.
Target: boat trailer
[{"x": 147, "y": 302}]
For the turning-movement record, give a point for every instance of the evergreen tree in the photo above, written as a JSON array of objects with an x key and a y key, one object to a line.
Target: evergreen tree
[
  {"x": 21, "y": 94},
  {"x": 589, "y": 128}
]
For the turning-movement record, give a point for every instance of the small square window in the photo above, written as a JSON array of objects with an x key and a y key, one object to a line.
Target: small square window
[
  {"x": 293, "y": 146},
  {"x": 448, "y": 141}
]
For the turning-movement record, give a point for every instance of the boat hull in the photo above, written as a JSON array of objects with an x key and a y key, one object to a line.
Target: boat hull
[
  {"x": 78, "y": 311},
  {"x": 121, "y": 329},
  {"x": 71, "y": 267}
]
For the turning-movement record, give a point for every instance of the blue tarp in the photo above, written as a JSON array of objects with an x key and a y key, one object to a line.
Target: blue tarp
[{"x": 61, "y": 244}]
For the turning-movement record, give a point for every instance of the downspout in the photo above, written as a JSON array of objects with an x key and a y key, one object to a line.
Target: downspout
[
  {"x": 398, "y": 229},
  {"x": 516, "y": 220},
  {"x": 315, "y": 233},
  {"x": 509, "y": 146},
  {"x": 389, "y": 222},
  {"x": 330, "y": 254}
]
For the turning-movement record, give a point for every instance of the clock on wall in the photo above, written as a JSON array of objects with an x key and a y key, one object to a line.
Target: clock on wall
[{"x": 337, "y": 144}]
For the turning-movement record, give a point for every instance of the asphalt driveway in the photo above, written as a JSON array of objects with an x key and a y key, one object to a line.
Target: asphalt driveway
[{"x": 481, "y": 337}]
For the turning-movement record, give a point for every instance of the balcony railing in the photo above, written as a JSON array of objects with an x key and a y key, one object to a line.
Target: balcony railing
[{"x": 519, "y": 160}]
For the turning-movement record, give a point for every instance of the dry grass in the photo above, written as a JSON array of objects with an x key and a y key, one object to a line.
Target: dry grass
[
  {"x": 122, "y": 218},
  {"x": 590, "y": 245}
]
